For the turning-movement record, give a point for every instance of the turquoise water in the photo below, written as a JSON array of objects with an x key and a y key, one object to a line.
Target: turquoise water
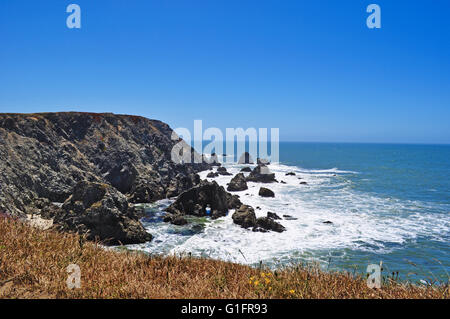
[
  {"x": 416, "y": 178},
  {"x": 388, "y": 203}
]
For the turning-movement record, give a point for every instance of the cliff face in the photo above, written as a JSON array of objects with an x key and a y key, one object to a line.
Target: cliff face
[{"x": 43, "y": 157}]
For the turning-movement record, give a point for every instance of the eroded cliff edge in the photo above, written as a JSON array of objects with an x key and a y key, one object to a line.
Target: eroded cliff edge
[{"x": 96, "y": 164}]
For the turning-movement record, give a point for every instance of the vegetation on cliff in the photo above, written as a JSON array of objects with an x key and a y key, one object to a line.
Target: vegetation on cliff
[{"x": 33, "y": 264}]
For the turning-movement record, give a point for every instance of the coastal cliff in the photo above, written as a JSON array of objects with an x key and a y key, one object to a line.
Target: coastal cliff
[{"x": 84, "y": 170}]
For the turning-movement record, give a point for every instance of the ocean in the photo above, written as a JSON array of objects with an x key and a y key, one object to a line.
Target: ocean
[{"x": 385, "y": 202}]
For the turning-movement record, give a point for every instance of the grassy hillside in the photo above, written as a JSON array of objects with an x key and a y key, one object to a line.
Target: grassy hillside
[{"x": 33, "y": 265}]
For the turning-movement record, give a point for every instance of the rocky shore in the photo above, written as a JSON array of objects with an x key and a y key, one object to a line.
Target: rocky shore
[
  {"x": 85, "y": 170},
  {"x": 83, "y": 173}
]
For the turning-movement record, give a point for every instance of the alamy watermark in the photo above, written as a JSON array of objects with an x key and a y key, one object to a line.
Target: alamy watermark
[
  {"x": 374, "y": 19},
  {"x": 374, "y": 278},
  {"x": 73, "y": 21},
  {"x": 251, "y": 144},
  {"x": 74, "y": 278}
]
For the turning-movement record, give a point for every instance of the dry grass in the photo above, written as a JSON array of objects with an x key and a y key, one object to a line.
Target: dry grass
[{"x": 33, "y": 265}]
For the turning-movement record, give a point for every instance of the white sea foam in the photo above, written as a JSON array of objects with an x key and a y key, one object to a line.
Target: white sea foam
[{"x": 360, "y": 221}]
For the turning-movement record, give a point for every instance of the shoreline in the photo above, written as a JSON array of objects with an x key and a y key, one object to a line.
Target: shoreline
[{"x": 35, "y": 264}]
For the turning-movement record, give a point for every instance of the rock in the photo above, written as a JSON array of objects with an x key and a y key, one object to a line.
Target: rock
[
  {"x": 148, "y": 192},
  {"x": 303, "y": 183},
  {"x": 261, "y": 174},
  {"x": 290, "y": 174},
  {"x": 212, "y": 175},
  {"x": 246, "y": 169},
  {"x": 46, "y": 155},
  {"x": 282, "y": 182},
  {"x": 262, "y": 161},
  {"x": 245, "y": 158},
  {"x": 223, "y": 171},
  {"x": 195, "y": 200},
  {"x": 328, "y": 222},
  {"x": 289, "y": 217},
  {"x": 213, "y": 160},
  {"x": 245, "y": 216},
  {"x": 237, "y": 183},
  {"x": 101, "y": 212},
  {"x": 273, "y": 215},
  {"x": 179, "y": 220},
  {"x": 122, "y": 177},
  {"x": 266, "y": 223},
  {"x": 265, "y": 192}
]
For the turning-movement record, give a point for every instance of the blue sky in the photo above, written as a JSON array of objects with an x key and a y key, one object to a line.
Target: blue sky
[{"x": 311, "y": 68}]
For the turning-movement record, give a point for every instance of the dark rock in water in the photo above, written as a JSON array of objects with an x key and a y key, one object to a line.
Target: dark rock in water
[
  {"x": 212, "y": 175},
  {"x": 103, "y": 213},
  {"x": 289, "y": 217},
  {"x": 179, "y": 220},
  {"x": 257, "y": 207},
  {"x": 328, "y": 222},
  {"x": 261, "y": 174},
  {"x": 273, "y": 215},
  {"x": 195, "y": 200},
  {"x": 262, "y": 161},
  {"x": 44, "y": 156},
  {"x": 245, "y": 158},
  {"x": 213, "y": 160},
  {"x": 245, "y": 216},
  {"x": 260, "y": 230},
  {"x": 282, "y": 182},
  {"x": 303, "y": 183},
  {"x": 266, "y": 223},
  {"x": 290, "y": 174},
  {"x": 237, "y": 183},
  {"x": 223, "y": 171},
  {"x": 246, "y": 169},
  {"x": 265, "y": 192}
]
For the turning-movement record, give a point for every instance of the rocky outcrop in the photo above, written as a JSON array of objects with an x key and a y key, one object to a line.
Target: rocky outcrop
[
  {"x": 246, "y": 218},
  {"x": 237, "y": 183},
  {"x": 265, "y": 192},
  {"x": 223, "y": 171},
  {"x": 101, "y": 212},
  {"x": 273, "y": 215},
  {"x": 261, "y": 174},
  {"x": 264, "y": 224},
  {"x": 212, "y": 175},
  {"x": 246, "y": 169},
  {"x": 195, "y": 200},
  {"x": 245, "y": 158},
  {"x": 213, "y": 160},
  {"x": 43, "y": 157},
  {"x": 290, "y": 174}
]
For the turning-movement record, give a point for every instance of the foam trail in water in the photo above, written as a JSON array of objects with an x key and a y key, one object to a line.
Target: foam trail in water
[{"x": 360, "y": 221}]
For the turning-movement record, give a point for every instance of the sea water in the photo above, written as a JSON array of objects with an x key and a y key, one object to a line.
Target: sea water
[{"x": 388, "y": 203}]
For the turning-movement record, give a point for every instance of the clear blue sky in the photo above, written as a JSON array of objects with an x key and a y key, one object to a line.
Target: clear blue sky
[{"x": 311, "y": 68}]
